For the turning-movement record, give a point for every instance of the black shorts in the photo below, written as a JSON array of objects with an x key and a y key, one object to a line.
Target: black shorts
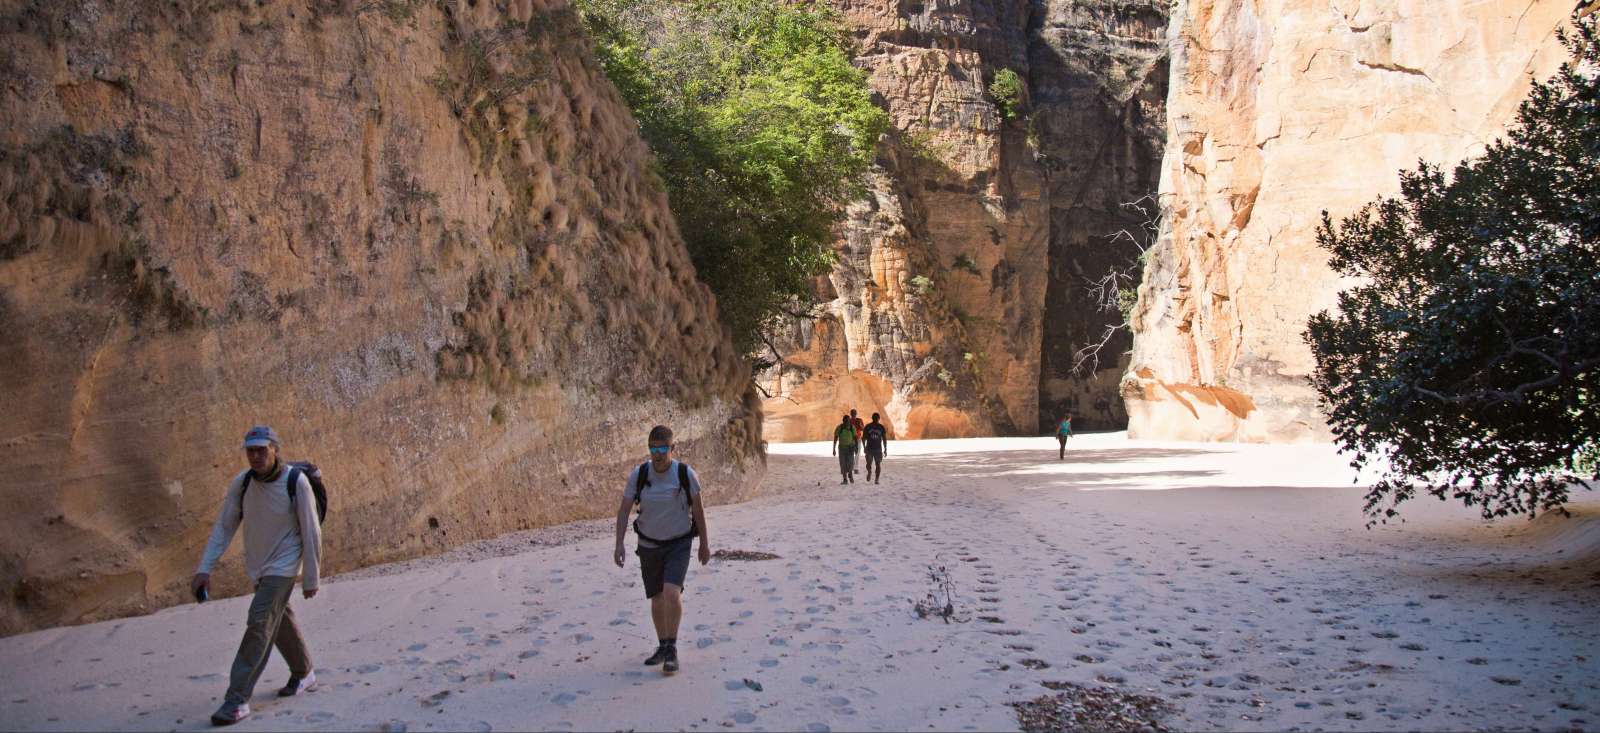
[{"x": 668, "y": 563}]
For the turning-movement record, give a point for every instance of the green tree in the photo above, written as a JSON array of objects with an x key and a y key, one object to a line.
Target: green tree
[
  {"x": 1006, "y": 89},
  {"x": 1466, "y": 362},
  {"x": 762, "y": 130}
]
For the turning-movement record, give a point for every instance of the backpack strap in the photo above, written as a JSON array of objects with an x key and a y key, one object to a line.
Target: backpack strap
[
  {"x": 294, "y": 481},
  {"x": 642, "y": 481},
  {"x": 244, "y": 486},
  {"x": 683, "y": 483}
]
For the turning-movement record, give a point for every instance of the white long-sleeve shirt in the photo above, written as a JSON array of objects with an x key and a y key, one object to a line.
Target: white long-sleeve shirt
[{"x": 280, "y": 534}]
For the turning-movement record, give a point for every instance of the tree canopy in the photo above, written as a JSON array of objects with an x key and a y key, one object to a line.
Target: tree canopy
[
  {"x": 762, "y": 130},
  {"x": 1467, "y": 362}
]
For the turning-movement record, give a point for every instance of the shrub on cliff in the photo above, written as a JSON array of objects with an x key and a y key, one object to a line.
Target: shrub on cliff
[
  {"x": 762, "y": 130},
  {"x": 1468, "y": 360},
  {"x": 1006, "y": 90}
]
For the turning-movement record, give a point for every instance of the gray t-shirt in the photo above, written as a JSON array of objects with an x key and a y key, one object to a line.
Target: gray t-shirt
[{"x": 664, "y": 510}]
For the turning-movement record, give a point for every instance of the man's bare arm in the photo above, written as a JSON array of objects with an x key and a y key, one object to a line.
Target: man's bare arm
[{"x": 622, "y": 529}]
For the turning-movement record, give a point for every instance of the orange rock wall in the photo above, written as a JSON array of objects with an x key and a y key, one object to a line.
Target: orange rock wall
[{"x": 419, "y": 239}]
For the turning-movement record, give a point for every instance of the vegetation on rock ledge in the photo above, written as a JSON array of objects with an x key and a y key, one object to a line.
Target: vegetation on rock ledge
[
  {"x": 1468, "y": 361},
  {"x": 762, "y": 130}
]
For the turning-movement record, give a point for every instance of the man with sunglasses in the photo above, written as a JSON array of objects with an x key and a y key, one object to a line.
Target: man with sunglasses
[{"x": 670, "y": 517}]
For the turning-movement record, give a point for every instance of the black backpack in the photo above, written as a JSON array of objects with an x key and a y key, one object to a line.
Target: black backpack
[
  {"x": 295, "y": 468},
  {"x": 638, "y": 496}
]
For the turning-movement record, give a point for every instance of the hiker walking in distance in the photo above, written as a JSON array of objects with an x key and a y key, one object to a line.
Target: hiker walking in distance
[
  {"x": 875, "y": 440},
  {"x": 1063, "y": 431},
  {"x": 667, "y": 493},
  {"x": 856, "y": 421},
  {"x": 844, "y": 446},
  {"x": 282, "y": 533}
]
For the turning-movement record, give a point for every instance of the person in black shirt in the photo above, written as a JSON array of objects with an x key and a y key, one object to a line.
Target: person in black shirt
[{"x": 875, "y": 439}]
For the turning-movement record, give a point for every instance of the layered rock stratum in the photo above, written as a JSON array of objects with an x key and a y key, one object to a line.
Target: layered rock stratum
[
  {"x": 960, "y": 292},
  {"x": 1279, "y": 110},
  {"x": 419, "y": 239}
]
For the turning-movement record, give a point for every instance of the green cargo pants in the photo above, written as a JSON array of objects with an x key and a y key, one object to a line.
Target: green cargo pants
[{"x": 270, "y": 623}]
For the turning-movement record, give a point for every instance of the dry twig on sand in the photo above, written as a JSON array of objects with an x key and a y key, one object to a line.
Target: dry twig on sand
[
  {"x": 940, "y": 600},
  {"x": 1091, "y": 708}
]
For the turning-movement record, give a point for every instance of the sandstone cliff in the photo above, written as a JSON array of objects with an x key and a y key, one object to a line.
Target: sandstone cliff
[
  {"x": 960, "y": 294},
  {"x": 1279, "y": 110},
  {"x": 420, "y": 239}
]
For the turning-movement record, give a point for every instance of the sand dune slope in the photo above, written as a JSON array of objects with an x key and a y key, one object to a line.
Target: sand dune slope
[{"x": 1237, "y": 582}]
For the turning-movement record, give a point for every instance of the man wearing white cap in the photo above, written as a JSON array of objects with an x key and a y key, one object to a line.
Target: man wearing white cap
[{"x": 281, "y": 532}]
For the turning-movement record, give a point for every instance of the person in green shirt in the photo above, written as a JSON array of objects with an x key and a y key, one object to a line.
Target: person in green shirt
[
  {"x": 844, "y": 446},
  {"x": 1063, "y": 431}
]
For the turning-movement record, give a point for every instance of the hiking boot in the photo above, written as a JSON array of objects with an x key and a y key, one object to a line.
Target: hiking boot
[
  {"x": 671, "y": 663},
  {"x": 229, "y": 714},
  {"x": 298, "y": 685},
  {"x": 659, "y": 657}
]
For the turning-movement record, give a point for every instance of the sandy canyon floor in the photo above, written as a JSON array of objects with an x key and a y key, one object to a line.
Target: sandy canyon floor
[{"x": 1236, "y": 582}]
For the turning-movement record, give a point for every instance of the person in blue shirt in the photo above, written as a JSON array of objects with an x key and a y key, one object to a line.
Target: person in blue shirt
[{"x": 1063, "y": 431}]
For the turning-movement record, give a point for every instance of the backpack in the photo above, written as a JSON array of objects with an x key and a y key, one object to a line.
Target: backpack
[
  {"x": 313, "y": 476},
  {"x": 846, "y": 435},
  {"x": 638, "y": 498}
]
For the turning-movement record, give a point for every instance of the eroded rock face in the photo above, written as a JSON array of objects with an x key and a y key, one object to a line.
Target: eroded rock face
[
  {"x": 420, "y": 240},
  {"x": 933, "y": 309},
  {"x": 967, "y": 259},
  {"x": 1279, "y": 110}
]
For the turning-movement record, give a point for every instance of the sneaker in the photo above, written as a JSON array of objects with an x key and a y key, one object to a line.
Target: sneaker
[
  {"x": 230, "y": 714},
  {"x": 298, "y": 685},
  {"x": 671, "y": 664},
  {"x": 844, "y": 481},
  {"x": 658, "y": 657}
]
